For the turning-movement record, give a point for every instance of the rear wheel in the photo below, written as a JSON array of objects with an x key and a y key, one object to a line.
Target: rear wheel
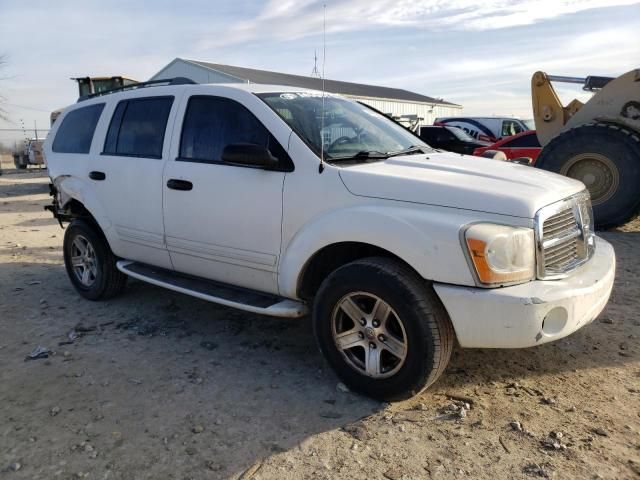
[
  {"x": 382, "y": 328},
  {"x": 90, "y": 264},
  {"x": 606, "y": 158}
]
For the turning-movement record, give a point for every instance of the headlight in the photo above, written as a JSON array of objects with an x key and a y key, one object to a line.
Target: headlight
[{"x": 501, "y": 254}]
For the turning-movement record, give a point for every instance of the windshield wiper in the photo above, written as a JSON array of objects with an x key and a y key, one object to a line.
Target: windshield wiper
[
  {"x": 413, "y": 149},
  {"x": 361, "y": 155}
]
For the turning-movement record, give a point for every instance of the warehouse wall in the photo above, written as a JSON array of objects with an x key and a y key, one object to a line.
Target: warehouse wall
[
  {"x": 428, "y": 112},
  {"x": 180, "y": 68}
]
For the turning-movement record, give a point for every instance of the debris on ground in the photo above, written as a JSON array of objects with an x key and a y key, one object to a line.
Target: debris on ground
[
  {"x": 38, "y": 353},
  {"x": 515, "y": 425},
  {"x": 535, "y": 470},
  {"x": 341, "y": 387},
  {"x": 456, "y": 410},
  {"x": 553, "y": 441}
]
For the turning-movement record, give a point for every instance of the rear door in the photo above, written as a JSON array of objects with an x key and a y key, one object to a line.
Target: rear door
[
  {"x": 127, "y": 174},
  {"x": 224, "y": 221}
]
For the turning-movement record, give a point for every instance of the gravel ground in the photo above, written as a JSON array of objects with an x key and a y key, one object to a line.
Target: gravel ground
[{"x": 163, "y": 386}]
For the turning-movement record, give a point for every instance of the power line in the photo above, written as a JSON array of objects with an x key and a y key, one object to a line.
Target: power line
[{"x": 26, "y": 108}]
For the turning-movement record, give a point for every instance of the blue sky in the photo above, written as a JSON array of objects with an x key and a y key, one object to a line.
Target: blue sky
[{"x": 478, "y": 54}]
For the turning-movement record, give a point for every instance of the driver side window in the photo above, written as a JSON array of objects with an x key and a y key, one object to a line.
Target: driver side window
[
  {"x": 212, "y": 123},
  {"x": 510, "y": 127}
]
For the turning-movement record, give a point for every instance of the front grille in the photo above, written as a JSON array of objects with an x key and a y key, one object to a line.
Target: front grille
[{"x": 564, "y": 234}]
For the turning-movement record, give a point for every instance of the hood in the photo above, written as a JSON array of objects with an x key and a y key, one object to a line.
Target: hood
[{"x": 460, "y": 181}]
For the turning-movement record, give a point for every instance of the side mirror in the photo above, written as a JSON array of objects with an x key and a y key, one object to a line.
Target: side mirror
[
  {"x": 522, "y": 160},
  {"x": 250, "y": 155}
]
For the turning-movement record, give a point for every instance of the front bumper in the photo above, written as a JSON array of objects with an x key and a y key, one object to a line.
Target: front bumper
[{"x": 531, "y": 313}]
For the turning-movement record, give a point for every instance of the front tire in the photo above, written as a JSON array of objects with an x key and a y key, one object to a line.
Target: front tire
[
  {"x": 606, "y": 158},
  {"x": 90, "y": 263},
  {"x": 382, "y": 328}
]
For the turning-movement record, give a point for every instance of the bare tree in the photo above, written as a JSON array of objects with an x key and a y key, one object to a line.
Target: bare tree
[{"x": 3, "y": 112}]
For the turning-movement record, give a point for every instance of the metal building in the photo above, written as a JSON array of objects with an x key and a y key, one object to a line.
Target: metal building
[{"x": 412, "y": 108}]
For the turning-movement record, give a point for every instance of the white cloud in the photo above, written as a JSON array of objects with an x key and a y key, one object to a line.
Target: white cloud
[{"x": 290, "y": 19}]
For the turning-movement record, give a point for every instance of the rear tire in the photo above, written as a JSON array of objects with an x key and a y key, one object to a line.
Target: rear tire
[
  {"x": 389, "y": 358},
  {"x": 90, "y": 263},
  {"x": 606, "y": 158}
]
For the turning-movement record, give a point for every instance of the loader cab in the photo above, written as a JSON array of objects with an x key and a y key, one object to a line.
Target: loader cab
[{"x": 91, "y": 85}]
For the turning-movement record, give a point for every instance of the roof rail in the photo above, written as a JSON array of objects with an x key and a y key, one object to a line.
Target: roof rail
[{"x": 135, "y": 86}]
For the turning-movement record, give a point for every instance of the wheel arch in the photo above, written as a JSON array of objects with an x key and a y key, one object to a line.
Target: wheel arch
[
  {"x": 333, "y": 256},
  {"x": 428, "y": 243},
  {"x": 77, "y": 200}
]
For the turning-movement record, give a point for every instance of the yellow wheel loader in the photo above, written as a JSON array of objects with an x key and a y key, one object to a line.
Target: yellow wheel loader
[{"x": 597, "y": 142}]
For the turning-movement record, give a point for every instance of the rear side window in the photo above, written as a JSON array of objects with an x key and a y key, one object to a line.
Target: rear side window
[
  {"x": 137, "y": 127},
  {"x": 525, "y": 141},
  {"x": 212, "y": 123},
  {"x": 76, "y": 131}
]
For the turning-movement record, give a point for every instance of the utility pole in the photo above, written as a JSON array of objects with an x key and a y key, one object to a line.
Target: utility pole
[{"x": 315, "y": 73}]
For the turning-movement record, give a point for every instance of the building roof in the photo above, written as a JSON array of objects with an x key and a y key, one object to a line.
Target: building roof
[{"x": 332, "y": 86}]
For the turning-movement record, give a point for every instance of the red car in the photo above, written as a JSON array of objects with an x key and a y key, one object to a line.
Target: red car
[{"x": 523, "y": 144}]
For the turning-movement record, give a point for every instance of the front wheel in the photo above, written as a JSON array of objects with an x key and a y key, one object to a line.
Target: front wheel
[{"x": 382, "y": 328}]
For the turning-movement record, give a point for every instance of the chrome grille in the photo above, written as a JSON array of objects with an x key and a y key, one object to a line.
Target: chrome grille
[{"x": 564, "y": 236}]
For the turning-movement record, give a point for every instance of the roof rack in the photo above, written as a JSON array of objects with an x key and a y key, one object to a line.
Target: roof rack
[{"x": 135, "y": 86}]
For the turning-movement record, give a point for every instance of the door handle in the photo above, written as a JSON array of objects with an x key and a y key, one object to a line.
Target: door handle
[
  {"x": 175, "y": 184},
  {"x": 97, "y": 175}
]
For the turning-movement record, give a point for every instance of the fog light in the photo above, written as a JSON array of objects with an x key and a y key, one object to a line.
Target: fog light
[{"x": 554, "y": 321}]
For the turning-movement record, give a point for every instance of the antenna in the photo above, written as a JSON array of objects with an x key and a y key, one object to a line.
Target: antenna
[{"x": 324, "y": 57}]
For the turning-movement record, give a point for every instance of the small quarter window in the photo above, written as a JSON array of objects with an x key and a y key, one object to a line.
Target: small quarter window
[
  {"x": 77, "y": 128},
  {"x": 138, "y": 126}
]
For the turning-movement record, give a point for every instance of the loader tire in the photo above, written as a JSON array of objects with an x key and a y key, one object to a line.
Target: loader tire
[{"x": 606, "y": 158}]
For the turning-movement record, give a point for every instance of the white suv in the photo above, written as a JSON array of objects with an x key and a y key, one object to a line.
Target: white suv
[{"x": 280, "y": 201}]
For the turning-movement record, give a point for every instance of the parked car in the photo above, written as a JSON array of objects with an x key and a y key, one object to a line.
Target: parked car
[
  {"x": 524, "y": 144},
  {"x": 30, "y": 153},
  {"x": 451, "y": 139},
  {"x": 284, "y": 202},
  {"x": 488, "y": 129}
]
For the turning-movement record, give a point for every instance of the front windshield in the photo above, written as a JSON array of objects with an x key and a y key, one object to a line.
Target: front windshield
[
  {"x": 529, "y": 123},
  {"x": 350, "y": 129},
  {"x": 461, "y": 134}
]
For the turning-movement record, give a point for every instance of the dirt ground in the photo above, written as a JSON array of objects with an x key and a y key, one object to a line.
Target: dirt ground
[{"x": 159, "y": 385}]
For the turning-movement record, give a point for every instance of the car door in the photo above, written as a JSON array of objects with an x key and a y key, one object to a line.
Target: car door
[
  {"x": 223, "y": 222},
  {"x": 127, "y": 174}
]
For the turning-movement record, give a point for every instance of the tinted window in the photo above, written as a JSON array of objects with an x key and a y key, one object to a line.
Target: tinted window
[
  {"x": 76, "y": 131},
  {"x": 523, "y": 142},
  {"x": 137, "y": 127},
  {"x": 212, "y": 123},
  {"x": 427, "y": 133}
]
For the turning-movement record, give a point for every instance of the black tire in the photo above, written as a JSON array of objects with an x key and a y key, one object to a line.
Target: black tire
[
  {"x": 108, "y": 280},
  {"x": 619, "y": 152},
  {"x": 429, "y": 333}
]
